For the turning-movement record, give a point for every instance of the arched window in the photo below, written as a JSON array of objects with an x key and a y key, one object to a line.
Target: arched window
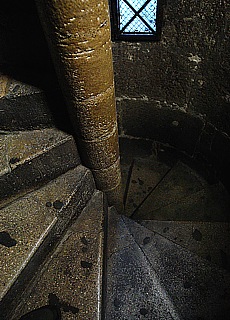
[{"x": 135, "y": 20}]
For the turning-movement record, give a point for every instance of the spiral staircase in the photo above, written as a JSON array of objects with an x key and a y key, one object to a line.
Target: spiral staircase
[{"x": 166, "y": 257}]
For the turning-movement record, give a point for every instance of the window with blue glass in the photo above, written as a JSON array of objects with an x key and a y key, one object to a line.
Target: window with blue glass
[{"x": 135, "y": 20}]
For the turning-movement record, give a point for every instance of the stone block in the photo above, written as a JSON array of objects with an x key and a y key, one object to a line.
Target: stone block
[
  {"x": 30, "y": 158},
  {"x": 32, "y": 226},
  {"x": 167, "y": 125}
]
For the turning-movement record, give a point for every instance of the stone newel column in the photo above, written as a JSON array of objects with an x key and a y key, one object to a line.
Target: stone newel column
[{"x": 78, "y": 33}]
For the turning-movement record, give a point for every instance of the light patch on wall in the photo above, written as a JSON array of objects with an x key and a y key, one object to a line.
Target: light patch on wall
[{"x": 194, "y": 58}]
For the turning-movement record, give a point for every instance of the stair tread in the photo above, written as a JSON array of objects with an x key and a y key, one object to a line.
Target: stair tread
[
  {"x": 27, "y": 157},
  {"x": 124, "y": 176},
  {"x": 133, "y": 288},
  {"x": 26, "y": 222},
  {"x": 197, "y": 288},
  {"x": 180, "y": 182},
  {"x": 24, "y": 145},
  {"x": 210, "y": 240},
  {"x": 72, "y": 278},
  {"x": 145, "y": 175},
  {"x": 209, "y": 204},
  {"x": 26, "y": 109}
]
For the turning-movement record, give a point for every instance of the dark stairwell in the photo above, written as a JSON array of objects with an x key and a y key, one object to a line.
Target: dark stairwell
[{"x": 167, "y": 256}]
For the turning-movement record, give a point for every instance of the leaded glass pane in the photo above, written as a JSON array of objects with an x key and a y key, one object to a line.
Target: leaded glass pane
[
  {"x": 137, "y": 16},
  {"x": 137, "y": 26},
  {"x": 126, "y": 14},
  {"x": 149, "y": 14}
]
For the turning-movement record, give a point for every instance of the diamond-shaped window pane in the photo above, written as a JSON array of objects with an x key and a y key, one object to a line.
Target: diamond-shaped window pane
[
  {"x": 137, "y": 4},
  {"x": 131, "y": 14},
  {"x": 126, "y": 14},
  {"x": 137, "y": 26},
  {"x": 149, "y": 14}
]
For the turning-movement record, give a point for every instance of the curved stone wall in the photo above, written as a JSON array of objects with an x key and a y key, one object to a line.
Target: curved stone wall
[{"x": 176, "y": 91}]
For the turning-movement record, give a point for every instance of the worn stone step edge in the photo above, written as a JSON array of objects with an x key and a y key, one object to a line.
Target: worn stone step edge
[
  {"x": 25, "y": 112},
  {"x": 19, "y": 220},
  {"x": 39, "y": 168},
  {"x": 176, "y": 265},
  {"x": 188, "y": 235},
  {"x": 209, "y": 204},
  {"x": 121, "y": 247},
  {"x": 172, "y": 195},
  {"x": 87, "y": 232},
  {"x": 77, "y": 201},
  {"x": 151, "y": 172},
  {"x": 138, "y": 224}
]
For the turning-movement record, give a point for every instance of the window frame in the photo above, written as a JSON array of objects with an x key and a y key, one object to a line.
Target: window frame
[{"x": 118, "y": 36}]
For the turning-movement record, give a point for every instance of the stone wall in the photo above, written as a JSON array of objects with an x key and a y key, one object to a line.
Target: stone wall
[
  {"x": 176, "y": 91},
  {"x": 187, "y": 70},
  {"x": 30, "y": 97}
]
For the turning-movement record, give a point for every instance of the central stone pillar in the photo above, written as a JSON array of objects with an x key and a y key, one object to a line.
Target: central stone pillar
[{"x": 78, "y": 33}]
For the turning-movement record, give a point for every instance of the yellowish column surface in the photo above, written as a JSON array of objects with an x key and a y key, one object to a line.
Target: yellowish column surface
[{"x": 78, "y": 33}]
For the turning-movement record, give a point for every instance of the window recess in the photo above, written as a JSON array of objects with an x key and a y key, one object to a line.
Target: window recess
[{"x": 135, "y": 20}]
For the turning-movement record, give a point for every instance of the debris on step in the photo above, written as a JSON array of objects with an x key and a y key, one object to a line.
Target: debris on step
[
  {"x": 133, "y": 287},
  {"x": 209, "y": 240},
  {"x": 181, "y": 181},
  {"x": 209, "y": 204},
  {"x": 30, "y": 224},
  {"x": 145, "y": 176},
  {"x": 72, "y": 278},
  {"x": 198, "y": 289},
  {"x": 28, "y": 158}
]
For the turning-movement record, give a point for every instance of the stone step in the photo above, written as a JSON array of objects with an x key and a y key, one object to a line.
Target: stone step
[
  {"x": 180, "y": 182},
  {"x": 209, "y": 204},
  {"x": 145, "y": 176},
  {"x": 30, "y": 158},
  {"x": 133, "y": 287},
  {"x": 30, "y": 227},
  {"x": 72, "y": 278},
  {"x": 26, "y": 111},
  {"x": 198, "y": 289},
  {"x": 130, "y": 149},
  {"x": 209, "y": 240}
]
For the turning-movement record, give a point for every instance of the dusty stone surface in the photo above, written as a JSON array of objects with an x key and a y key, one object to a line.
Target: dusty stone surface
[
  {"x": 209, "y": 204},
  {"x": 3, "y": 85},
  {"x": 28, "y": 220},
  {"x": 145, "y": 176},
  {"x": 133, "y": 288},
  {"x": 25, "y": 112},
  {"x": 95, "y": 116},
  {"x": 210, "y": 240},
  {"x": 108, "y": 178},
  {"x": 115, "y": 196},
  {"x": 27, "y": 159},
  {"x": 100, "y": 153},
  {"x": 180, "y": 181},
  {"x": 64, "y": 198},
  {"x": 187, "y": 69},
  {"x": 140, "y": 118},
  {"x": 72, "y": 278},
  {"x": 25, "y": 145},
  {"x": 197, "y": 288}
]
